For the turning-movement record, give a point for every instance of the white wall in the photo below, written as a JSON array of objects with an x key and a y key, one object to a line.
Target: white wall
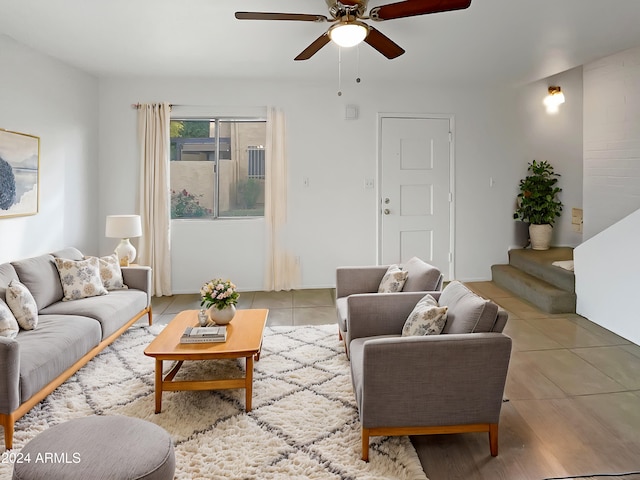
[
  {"x": 46, "y": 98},
  {"x": 611, "y": 139},
  {"x": 607, "y": 278},
  {"x": 558, "y": 139},
  {"x": 607, "y": 262},
  {"x": 332, "y": 222}
]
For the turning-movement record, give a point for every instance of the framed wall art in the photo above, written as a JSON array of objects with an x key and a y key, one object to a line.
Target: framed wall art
[{"x": 19, "y": 174}]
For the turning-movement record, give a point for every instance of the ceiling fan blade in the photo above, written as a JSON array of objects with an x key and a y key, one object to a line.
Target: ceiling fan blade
[
  {"x": 312, "y": 49},
  {"x": 383, "y": 44},
  {"x": 302, "y": 17},
  {"x": 410, "y": 8}
]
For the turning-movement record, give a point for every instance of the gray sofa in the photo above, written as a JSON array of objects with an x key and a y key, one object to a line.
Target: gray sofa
[
  {"x": 413, "y": 385},
  {"x": 68, "y": 333}
]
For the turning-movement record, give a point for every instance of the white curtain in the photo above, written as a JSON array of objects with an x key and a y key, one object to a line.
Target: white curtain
[
  {"x": 281, "y": 271},
  {"x": 154, "y": 245}
]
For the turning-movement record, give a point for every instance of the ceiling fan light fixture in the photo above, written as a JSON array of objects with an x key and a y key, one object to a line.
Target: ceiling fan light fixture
[{"x": 348, "y": 34}]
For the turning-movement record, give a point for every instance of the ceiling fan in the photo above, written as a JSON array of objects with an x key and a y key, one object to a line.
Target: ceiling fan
[{"x": 348, "y": 29}]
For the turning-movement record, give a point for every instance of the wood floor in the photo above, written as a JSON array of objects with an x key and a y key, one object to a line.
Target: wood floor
[
  {"x": 573, "y": 404},
  {"x": 573, "y": 391}
]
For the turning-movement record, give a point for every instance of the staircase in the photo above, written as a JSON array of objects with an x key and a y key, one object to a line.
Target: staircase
[{"x": 531, "y": 276}]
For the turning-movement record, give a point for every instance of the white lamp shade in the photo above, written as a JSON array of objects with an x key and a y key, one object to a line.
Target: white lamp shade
[{"x": 123, "y": 226}]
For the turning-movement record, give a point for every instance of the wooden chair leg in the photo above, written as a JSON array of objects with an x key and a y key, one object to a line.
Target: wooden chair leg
[
  {"x": 493, "y": 439},
  {"x": 150, "y": 315},
  {"x": 8, "y": 424},
  {"x": 339, "y": 334},
  {"x": 365, "y": 444}
]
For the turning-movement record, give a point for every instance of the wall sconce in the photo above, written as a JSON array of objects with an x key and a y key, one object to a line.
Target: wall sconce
[{"x": 554, "y": 99}]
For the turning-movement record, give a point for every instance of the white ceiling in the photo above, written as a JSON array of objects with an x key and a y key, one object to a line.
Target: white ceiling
[{"x": 493, "y": 41}]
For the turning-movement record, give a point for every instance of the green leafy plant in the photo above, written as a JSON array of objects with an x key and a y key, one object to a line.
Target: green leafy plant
[
  {"x": 538, "y": 198},
  {"x": 187, "y": 205},
  {"x": 250, "y": 191}
]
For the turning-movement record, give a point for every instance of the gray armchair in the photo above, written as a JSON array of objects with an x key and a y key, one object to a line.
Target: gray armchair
[
  {"x": 415, "y": 385},
  {"x": 366, "y": 280}
]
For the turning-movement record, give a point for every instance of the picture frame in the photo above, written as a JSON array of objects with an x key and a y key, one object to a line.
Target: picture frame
[{"x": 19, "y": 174}]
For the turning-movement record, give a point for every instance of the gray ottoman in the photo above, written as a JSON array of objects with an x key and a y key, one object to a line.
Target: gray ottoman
[{"x": 114, "y": 448}]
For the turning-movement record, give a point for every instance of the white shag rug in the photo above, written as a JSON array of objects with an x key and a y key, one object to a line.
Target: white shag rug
[{"x": 303, "y": 424}]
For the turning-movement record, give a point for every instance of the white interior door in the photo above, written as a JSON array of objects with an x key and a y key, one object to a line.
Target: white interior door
[{"x": 416, "y": 191}]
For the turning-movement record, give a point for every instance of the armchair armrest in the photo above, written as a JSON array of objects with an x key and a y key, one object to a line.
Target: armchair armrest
[
  {"x": 138, "y": 277},
  {"x": 373, "y": 314},
  {"x": 432, "y": 380},
  {"x": 350, "y": 280},
  {"x": 10, "y": 378}
]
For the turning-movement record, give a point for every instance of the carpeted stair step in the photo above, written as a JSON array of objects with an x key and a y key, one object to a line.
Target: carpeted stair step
[
  {"x": 538, "y": 263},
  {"x": 542, "y": 294}
]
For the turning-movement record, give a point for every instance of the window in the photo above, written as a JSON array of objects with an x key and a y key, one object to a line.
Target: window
[{"x": 217, "y": 168}]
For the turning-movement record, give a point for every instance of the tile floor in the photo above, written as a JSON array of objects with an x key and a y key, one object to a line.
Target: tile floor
[
  {"x": 573, "y": 391},
  {"x": 298, "y": 307}
]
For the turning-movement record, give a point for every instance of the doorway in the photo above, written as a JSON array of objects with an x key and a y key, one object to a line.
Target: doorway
[{"x": 415, "y": 159}]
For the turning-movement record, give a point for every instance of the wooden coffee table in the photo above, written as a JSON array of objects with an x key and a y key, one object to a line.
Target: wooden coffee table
[{"x": 244, "y": 339}]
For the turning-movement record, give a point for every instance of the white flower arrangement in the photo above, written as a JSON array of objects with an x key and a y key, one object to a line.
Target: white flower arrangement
[{"x": 219, "y": 293}]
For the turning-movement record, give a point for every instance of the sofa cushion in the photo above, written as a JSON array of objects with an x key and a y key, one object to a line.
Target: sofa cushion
[
  {"x": 421, "y": 277},
  {"x": 112, "y": 311},
  {"x": 40, "y": 276},
  {"x": 427, "y": 318},
  {"x": 23, "y": 305},
  {"x": 7, "y": 273},
  {"x": 393, "y": 280},
  {"x": 55, "y": 346},
  {"x": 80, "y": 278},
  {"x": 110, "y": 272},
  {"x": 468, "y": 312},
  {"x": 71, "y": 253},
  {"x": 8, "y": 324}
]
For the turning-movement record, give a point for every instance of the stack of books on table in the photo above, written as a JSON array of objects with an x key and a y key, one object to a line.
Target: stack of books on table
[{"x": 204, "y": 334}]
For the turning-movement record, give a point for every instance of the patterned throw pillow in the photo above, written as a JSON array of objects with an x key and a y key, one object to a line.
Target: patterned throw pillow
[
  {"x": 80, "y": 279},
  {"x": 110, "y": 272},
  {"x": 22, "y": 304},
  {"x": 8, "y": 324},
  {"x": 427, "y": 318},
  {"x": 393, "y": 280}
]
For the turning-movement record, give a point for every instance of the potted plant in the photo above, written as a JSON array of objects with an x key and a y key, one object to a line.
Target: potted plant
[{"x": 538, "y": 204}]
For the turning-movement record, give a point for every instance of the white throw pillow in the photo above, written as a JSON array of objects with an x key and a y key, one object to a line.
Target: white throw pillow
[
  {"x": 23, "y": 305},
  {"x": 110, "y": 272},
  {"x": 393, "y": 280},
  {"x": 8, "y": 324},
  {"x": 80, "y": 278},
  {"x": 427, "y": 318}
]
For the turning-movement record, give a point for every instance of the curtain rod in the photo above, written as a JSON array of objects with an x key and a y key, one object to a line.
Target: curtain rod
[{"x": 139, "y": 105}]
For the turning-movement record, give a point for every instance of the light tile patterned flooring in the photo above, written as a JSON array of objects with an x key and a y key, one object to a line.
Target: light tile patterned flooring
[{"x": 573, "y": 390}]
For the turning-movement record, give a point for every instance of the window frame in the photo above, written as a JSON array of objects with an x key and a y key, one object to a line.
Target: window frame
[{"x": 218, "y": 119}]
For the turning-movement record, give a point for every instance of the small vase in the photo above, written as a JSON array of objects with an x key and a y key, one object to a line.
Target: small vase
[{"x": 222, "y": 317}]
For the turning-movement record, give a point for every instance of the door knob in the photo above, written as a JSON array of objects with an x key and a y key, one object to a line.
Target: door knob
[{"x": 387, "y": 211}]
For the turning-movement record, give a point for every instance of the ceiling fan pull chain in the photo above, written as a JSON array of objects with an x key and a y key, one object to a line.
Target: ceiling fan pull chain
[
  {"x": 357, "y": 63},
  {"x": 339, "y": 71}
]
